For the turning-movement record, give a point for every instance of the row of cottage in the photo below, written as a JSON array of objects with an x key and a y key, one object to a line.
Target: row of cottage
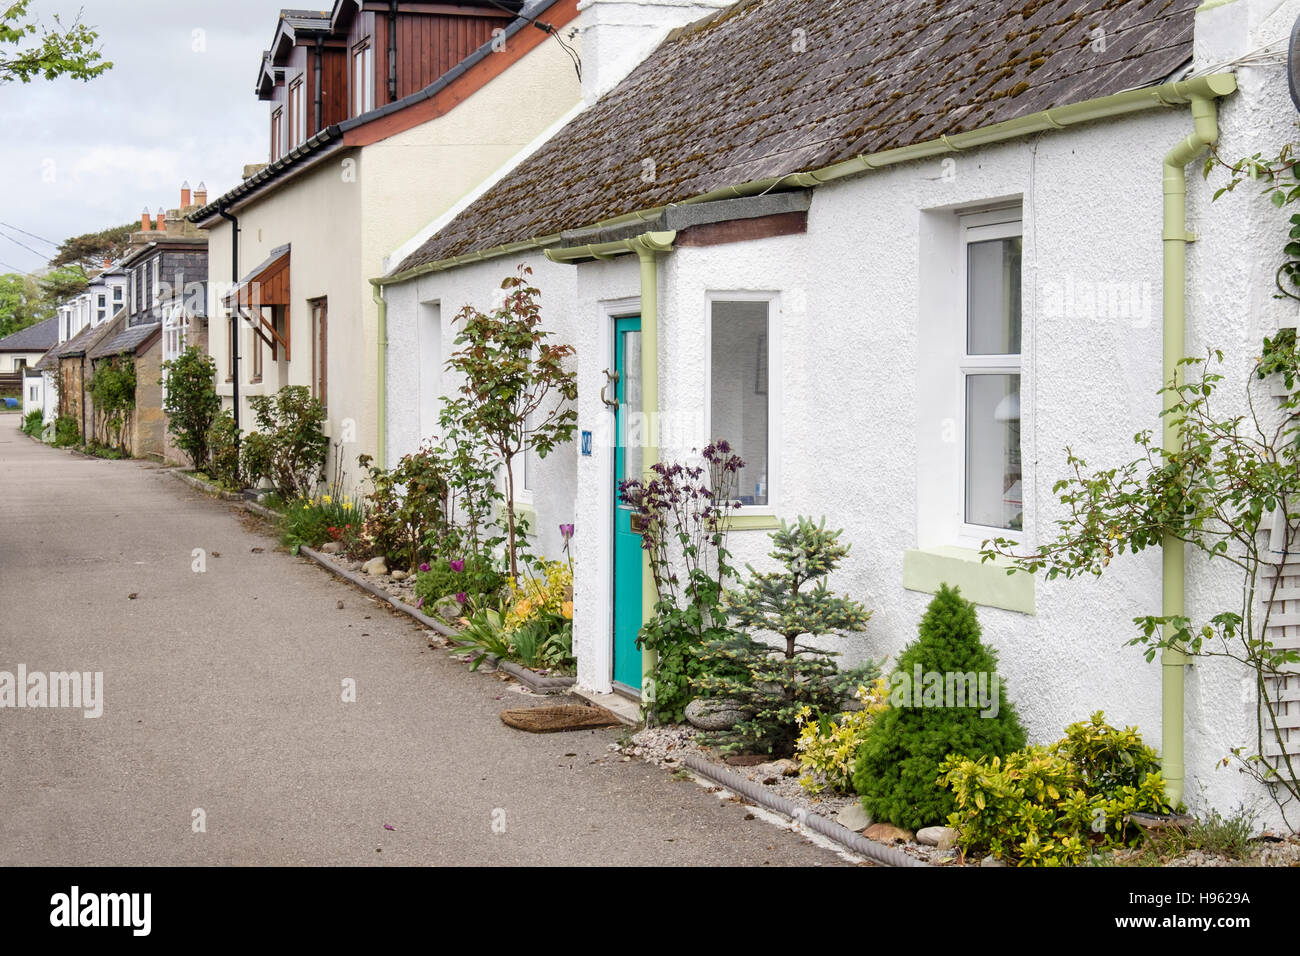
[{"x": 900, "y": 255}]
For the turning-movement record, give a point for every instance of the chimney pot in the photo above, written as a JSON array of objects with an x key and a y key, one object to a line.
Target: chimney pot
[
  {"x": 201, "y": 195},
  {"x": 185, "y": 194},
  {"x": 162, "y": 220},
  {"x": 144, "y": 220}
]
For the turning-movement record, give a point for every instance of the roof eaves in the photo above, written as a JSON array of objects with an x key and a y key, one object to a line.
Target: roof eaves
[{"x": 284, "y": 164}]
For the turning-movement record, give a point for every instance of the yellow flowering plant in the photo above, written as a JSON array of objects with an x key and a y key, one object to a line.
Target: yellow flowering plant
[
  {"x": 550, "y": 592},
  {"x": 827, "y": 747}
]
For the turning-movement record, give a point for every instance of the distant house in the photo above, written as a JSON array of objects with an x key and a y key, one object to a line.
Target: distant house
[
  {"x": 21, "y": 351},
  {"x": 380, "y": 116},
  {"x": 165, "y": 311},
  {"x": 900, "y": 255}
]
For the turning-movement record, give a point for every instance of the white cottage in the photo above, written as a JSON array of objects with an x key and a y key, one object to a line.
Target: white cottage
[{"x": 901, "y": 256}]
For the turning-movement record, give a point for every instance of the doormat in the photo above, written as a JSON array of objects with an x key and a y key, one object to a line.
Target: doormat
[{"x": 549, "y": 720}]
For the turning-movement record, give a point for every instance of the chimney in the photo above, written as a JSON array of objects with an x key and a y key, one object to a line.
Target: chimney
[
  {"x": 618, "y": 34},
  {"x": 185, "y": 194},
  {"x": 144, "y": 220},
  {"x": 201, "y": 195},
  {"x": 108, "y": 263},
  {"x": 162, "y": 220}
]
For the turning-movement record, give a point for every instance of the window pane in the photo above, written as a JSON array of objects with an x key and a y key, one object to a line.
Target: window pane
[
  {"x": 738, "y": 404},
  {"x": 634, "y": 437},
  {"x": 993, "y": 297},
  {"x": 993, "y": 487}
]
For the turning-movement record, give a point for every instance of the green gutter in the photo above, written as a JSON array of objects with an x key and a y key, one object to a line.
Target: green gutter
[
  {"x": 647, "y": 247},
  {"x": 1173, "y": 660},
  {"x": 381, "y": 377}
]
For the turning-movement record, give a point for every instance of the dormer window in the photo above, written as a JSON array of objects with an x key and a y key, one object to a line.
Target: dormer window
[{"x": 363, "y": 78}]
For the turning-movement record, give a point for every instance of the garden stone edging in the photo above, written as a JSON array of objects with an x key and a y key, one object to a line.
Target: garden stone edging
[
  {"x": 813, "y": 821},
  {"x": 378, "y": 592},
  {"x": 537, "y": 683},
  {"x": 205, "y": 487}
]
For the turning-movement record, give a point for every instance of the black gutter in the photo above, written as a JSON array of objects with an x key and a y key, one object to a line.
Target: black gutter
[
  {"x": 335, "y": 132},
  {"x": 320, "y": 53},
  {"x": 234, "y": 339},
  {"x": 392, "y": 50}
]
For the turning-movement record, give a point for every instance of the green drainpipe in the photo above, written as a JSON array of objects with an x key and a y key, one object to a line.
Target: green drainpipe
[
  {"x": 381, "y": 376},
  {"x": 648, "y": 247},
  {"x": 1173, "y": 661}
]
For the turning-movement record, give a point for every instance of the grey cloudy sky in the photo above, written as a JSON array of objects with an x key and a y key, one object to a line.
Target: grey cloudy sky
[{"x": 178, "y": 105}]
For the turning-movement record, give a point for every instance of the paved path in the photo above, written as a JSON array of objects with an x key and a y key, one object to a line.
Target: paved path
[{"x": 223, "y": 691}]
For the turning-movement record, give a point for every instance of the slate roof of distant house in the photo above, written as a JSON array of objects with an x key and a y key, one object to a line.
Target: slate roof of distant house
[
  {"x": 727, "y": 100},
  {"x": 35, "y": 338},
  {"x": 128, "y": 340}
]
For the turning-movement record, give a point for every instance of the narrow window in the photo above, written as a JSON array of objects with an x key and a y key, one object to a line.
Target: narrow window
[
  {"x": 297, "y": 115},
  {"x": 363, "y": 78},
  {"x": 990, "y": 369},
  {"x": 277, "y": 133},
  {"x": 739, "y": 376},
  {"x": 319, "y": 342}
]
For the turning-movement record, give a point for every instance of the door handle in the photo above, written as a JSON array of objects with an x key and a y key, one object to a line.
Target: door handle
[{"x": 611, "y": 378}]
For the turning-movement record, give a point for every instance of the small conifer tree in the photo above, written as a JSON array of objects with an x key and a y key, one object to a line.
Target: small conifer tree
[{"x": 932, "y": 714}]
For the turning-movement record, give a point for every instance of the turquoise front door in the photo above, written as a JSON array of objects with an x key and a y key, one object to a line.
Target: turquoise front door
[{"x": 628, "y": 446}]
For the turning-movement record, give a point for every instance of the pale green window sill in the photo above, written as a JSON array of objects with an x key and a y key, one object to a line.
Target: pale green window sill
[
  {"x": 986, "y": 583},
  {"x": 753, "y": 522}
]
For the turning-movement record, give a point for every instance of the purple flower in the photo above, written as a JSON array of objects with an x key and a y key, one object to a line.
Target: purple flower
[
  {"x": 566, "y": 531},
  {"x": 420, "y": 603},
  {"x": 424, "y": 567},
  {"x": 462, "y": 597},
  {"x": 457, "y": 566}
]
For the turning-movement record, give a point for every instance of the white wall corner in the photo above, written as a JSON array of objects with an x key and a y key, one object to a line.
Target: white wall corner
[
  {"x": 1227, "y": 30},
  {"x": 617, "y": 35}
]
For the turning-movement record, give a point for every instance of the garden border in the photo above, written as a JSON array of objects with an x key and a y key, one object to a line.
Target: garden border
[{"x": 854, "y": 842}]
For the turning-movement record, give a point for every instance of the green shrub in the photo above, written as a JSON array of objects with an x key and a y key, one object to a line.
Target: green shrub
[
  {"x": 223, "y": 451},
  {"x": 292, "y": 421},
  {"x": 66, "y": 431},
  {"x": 255, "y": 458},
  {"x": 1050, "y": 806},
  {"x": 33, "y": 423},
  {"x": 406, "y": 512},
  {"x": 191, "y": 402},
  {"x": 477, "y": 578},
  {"x": 828, "y": 745},
  {"x": 897, "y": 769}
]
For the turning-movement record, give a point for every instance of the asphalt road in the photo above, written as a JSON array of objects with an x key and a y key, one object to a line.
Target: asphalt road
[{"x": 223, "y": 693}]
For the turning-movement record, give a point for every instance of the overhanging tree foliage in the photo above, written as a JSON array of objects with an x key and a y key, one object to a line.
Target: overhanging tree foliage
[{"x": 30, "y": 50}]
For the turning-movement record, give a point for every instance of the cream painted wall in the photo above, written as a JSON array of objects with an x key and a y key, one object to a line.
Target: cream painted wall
[{"x": 346, "y": 214}]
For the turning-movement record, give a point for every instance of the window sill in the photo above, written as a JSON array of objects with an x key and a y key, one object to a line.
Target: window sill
[
  {"x": 985, "y": 583},
  {"x": 743, "y": 522}
]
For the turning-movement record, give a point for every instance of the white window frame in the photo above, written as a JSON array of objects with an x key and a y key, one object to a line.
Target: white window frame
[
  {"x": 363, "y": 77},
  {"x": 1001, "y": 224},
  {"x": 774, "y": 313}
]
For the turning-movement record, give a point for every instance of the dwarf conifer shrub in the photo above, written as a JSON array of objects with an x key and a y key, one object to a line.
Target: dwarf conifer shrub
[{"x": 897, "y": 770}]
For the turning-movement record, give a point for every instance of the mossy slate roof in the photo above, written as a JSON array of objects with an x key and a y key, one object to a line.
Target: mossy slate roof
[{"x": 728, "y": 100}]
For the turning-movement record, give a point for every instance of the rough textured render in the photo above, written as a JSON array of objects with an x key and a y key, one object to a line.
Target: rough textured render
[{"x": 770, "y": 87}]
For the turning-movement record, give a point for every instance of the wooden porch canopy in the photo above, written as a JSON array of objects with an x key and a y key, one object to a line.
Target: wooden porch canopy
[{"x": 263, "y": 290}]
